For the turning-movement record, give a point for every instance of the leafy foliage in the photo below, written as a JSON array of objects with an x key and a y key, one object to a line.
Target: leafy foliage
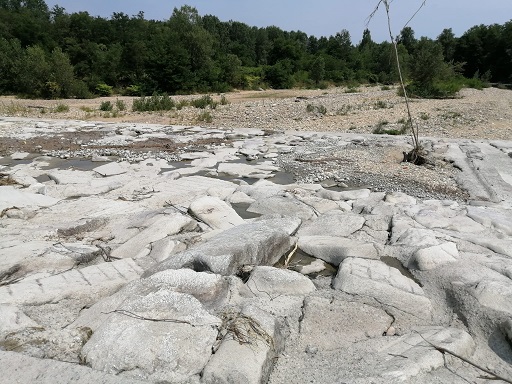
[{"x": 55, "y": 54}]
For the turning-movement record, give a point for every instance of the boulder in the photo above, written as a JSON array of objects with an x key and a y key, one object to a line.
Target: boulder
[
  {"x": 496, "y": 295},
  {"x": 261, "y": 242}
]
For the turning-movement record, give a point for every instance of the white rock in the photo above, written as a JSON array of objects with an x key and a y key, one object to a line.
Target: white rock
[
  {"x": 112, "y": 169},
  {"x": 429, "y": 258},
  {"x": 270, "y": 281},
  {"x": 336, "y": 249},
  {"x": 216, "y": 213},
  {"x": 373, "y": 278},
  {"x": 284, "y": 205},
  {"x": 332, "y": 223},
  {"x": 13, "y": 197}
]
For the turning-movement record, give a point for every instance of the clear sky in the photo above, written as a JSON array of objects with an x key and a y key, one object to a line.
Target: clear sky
[{"x": 318, "y": 17}]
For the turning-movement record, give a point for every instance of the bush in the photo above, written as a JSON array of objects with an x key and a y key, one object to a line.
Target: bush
[
  {"x": 120, "y": 105},
  {"x": 133, "y": 90},
  {"x": 103, "y": 89},
  {"x": 205, "y": 116},
  {"x": 106, "y": 106},
  {"x": 153, "y": 103},
  {"x": 316, "y": 109},
  {"x": 80, "y": 90},
  {"x": 61, "y": 108},
  {"x": 203, "y": 102}
]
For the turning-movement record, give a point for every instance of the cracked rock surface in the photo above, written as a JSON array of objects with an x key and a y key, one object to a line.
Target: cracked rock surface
[{"x": 245, "y": 256}]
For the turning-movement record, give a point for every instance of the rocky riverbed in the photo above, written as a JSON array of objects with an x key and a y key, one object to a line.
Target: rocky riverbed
[{"x": 137, "y": 252}]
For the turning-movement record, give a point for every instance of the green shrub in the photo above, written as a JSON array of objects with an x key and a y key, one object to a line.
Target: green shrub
[
  {"x": 106, "y": 106},
  {"x": 133, "y": 90},
  {"x": 381, "y": 104},
  {"x": 61, "y": 108},
  {"x": 205, "y": 116},
  {"x": 204, "y": 102},
  {"x": 344, "y": 110},
  {"x": 120, "y": 105},
  {"x": 153, "y": 103},
  {"x": 103, "y": 89},
  {"x": 224, "y": 100},
  {"x": 311, "y": 108},
  {"x": 80, "y": 90}
]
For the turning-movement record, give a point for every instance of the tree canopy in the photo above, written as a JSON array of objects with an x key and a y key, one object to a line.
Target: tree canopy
[{"x": 51, "y": 53}]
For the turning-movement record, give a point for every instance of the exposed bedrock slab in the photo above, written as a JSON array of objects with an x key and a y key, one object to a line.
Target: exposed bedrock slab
[
  {"x": 374, "y": 279},
  {"x": 212, "y": 291},
  {"x": 19, "y": 368},
  {"x": 88, "y": 282},
  {"x": 12, "y": 319},
  {"x": 494, "y": 294},
  {"x": 332, "y": 223},
  {"x": 431, "y": 257},
  {"x": 414, "y": 354},
  {"x": 328, "y": 324},
  {"x": 343, "y": 195},
  {"x": 439, "y": 219},
  {"x": 283, "y": 205},
  {"x": 261, "y": 242},
  {"x": 336, "y": 249},
  {"x": 13, "y": 197},
  {"x": 492, "y": 217},
  {"x": 163, "y": 226},
  {"x": 216, "y": 213},
  {"x": 163, "y": 336},
  {"x": 248, "y": 350},
  {"x": 270, "y": 281}
]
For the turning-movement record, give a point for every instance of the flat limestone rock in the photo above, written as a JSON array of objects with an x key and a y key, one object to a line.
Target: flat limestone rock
[
  {"x": 164, "y": 226},
  {"x": 336, "y": 249},
  {"x": 269, "y": 281},
  {"x": 19, "y": 368},
  {"x": 332, "y": 223},
  {"x": 284, "y": 205},
  {"x": 251, "y": 361},
  {"x": 112, "y": 169},
  {"x": 431, "y": 257},
  {"x": 13, "y": 197},
  {"x": 373, "y": 278},
  {"x": 261, "y": 242},
  {"x": 13, "y": 319},
  {"x": 216, "y": 213},
  {"x": 100, "y": 279},
  {"x": 413, "y": 354},
  {"x": 494, "y": 294},
  {"x": 490, "y": 217},
  {"x": 172, "y": 350},
  {"x": 329, "y": 324}
]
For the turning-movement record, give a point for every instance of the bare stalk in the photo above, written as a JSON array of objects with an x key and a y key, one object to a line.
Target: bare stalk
[{"x": 414, "y": 129}]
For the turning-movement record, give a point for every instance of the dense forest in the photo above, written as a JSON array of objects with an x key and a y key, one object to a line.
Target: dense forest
[{"x": 54, "y": 54}]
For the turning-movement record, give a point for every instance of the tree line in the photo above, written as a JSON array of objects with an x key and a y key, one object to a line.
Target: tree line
[{"x": 50, "y": 53}]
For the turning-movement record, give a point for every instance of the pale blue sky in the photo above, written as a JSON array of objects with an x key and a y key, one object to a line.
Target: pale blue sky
[{"x": 318, "y": 17}]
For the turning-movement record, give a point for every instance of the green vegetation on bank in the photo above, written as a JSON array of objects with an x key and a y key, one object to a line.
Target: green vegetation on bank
[{"x": 54, "y": 54}]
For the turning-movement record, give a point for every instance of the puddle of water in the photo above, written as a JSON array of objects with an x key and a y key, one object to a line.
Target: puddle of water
[
  {"x": 78, "y": 164},
  {"x": 301, "y": 259},
  {"x": 241, "y": 209},
  {"x": 395, "y": 263}
]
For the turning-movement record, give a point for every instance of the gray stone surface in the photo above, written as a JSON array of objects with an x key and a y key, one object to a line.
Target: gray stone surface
[
  {"x": 259, "y": 243},
  {"x": 20, "y": 369},
  {"x": 271, "y": 282},
  {"x": 332, "y": 223},
  {"x": 177, "y": 340},
  {"x": 435, "y": 256},
  {"x": 374, "y": 279},
  {"x": 336, "y": 249},
  {"x": 283, "y": 205},
  {"x": 216, "y": 213}
]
